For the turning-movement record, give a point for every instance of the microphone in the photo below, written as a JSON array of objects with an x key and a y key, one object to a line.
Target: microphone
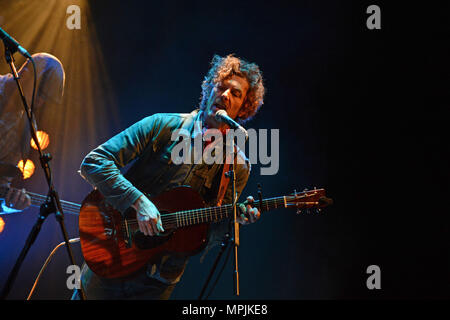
[
  {"x": 11, "y": 44},
  {"x": 222, "y": 116}
]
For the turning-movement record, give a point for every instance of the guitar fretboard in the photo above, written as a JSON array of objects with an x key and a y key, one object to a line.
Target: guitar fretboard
[
  {"x": 215, "y": 214},
  {"x": 207, "y": 215}
]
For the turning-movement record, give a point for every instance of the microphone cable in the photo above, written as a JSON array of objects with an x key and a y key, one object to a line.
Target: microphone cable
[{"x": 46, "y": 263}]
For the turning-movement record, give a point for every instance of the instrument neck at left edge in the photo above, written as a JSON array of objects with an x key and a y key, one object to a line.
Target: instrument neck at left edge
[{"x": 38, "y": 199}]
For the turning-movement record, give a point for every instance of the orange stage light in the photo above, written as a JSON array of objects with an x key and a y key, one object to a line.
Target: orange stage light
[
  {"x": 2, "y": 225},
  {"x": 27, "y": 168},
  {"x": 43, "y": 140}
]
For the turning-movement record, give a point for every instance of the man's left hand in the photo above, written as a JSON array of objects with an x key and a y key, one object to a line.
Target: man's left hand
[
  {"x": 247, "y": 214},
  {"x": 17, "y": 199}
]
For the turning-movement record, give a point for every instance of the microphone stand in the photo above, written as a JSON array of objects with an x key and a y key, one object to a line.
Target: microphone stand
[
  {"x": 223, "y": 247},
  {"x": 232, "y": 175},
  {"x": 52, "y": 204},
  {"x": 228, "y": 239}
]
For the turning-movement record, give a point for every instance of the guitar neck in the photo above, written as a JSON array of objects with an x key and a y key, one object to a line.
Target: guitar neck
[
  {"x": 215, "y": 214},
  {"x": 38, "y": 199}
]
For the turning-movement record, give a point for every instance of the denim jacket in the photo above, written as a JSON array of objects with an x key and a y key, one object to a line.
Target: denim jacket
[{"x": 148, "y": 143}]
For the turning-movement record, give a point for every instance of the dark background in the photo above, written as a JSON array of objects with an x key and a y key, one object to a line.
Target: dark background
[{"x": 360, "y": 113}]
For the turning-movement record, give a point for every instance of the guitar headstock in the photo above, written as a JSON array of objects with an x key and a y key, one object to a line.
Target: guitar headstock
[{"x": 306, "y": 200}]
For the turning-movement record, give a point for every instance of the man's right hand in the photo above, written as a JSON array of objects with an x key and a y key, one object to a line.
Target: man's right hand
[{"x": 148, "y": 217}]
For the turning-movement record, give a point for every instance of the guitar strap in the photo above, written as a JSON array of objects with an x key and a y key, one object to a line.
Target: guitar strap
[{"x": 225, "y": 180}]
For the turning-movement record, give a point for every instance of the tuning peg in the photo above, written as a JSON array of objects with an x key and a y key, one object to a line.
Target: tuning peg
[
  {"x": 299, "y": 211},
  {"x": 318, "y": 210}
]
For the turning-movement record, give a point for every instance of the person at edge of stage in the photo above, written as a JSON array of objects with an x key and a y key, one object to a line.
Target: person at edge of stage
[
  {"x": 14, "y": 126},
  {"x": 232, "y": 84}
]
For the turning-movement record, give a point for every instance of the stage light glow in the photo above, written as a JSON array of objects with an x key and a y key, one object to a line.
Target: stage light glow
[
  {"x": 27, "y": 168},
  {"x": 88, "y": 109},
  {"x": 43, "y": 140},
  {"x": 2, "y": 225}
]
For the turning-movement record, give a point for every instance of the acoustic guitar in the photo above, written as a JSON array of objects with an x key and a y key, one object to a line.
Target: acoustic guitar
[{"x": 113, "y": 246}]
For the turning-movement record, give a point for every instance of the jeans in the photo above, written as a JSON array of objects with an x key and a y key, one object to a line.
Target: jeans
[{"x": 139, "y": 286}]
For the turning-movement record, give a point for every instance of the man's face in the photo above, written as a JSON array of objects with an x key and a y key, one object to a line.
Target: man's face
[{"x": 228, "y": 95}]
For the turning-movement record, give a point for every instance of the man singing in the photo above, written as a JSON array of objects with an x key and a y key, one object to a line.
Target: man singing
[{"x": 231, "y": 84}]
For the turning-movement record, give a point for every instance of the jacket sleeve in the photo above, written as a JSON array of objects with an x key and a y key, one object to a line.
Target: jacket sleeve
[{"x": 101, "y": 167}]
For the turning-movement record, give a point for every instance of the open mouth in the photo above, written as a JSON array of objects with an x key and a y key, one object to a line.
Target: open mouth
[{"x": 217, "y": 107}]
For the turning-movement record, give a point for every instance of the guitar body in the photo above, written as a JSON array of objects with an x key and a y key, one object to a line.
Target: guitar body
[{"x": 106, "y": 245}]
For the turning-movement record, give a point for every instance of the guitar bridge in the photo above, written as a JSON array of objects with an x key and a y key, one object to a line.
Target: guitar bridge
[{"x": 127, "y": 235}]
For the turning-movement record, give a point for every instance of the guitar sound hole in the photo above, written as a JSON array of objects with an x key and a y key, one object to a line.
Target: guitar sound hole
[{"x": 148, "y": 242}]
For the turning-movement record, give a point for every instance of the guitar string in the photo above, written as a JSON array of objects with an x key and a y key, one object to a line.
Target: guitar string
[
  {"x": 40, "y": 197},
  {"x": 181, "y": 218},
  {"x": 186, "y": 218},
  {"x": 181, "y": 214},
  {"x": 71, "y": 207},
  {"x": 67, "y": 206}
]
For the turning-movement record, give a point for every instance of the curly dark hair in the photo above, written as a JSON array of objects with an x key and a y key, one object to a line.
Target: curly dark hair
[{"x": 225, "y": 67}]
